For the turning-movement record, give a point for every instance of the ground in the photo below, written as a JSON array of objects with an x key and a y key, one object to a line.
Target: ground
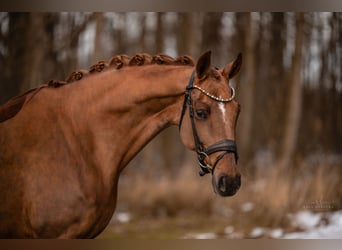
[{"x": 302, "y": 225}]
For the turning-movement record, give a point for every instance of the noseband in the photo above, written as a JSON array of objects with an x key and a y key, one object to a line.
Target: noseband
[{"x": 225, "y": 146}]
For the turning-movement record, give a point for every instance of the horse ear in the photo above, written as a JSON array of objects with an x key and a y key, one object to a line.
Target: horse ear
[
  {"x": 203, "y": 65},
  {"x": 233, "y": 68}
]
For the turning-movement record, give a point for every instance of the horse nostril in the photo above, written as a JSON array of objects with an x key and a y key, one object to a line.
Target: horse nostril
[
  {"x": 222, "y": 184},
  {"x": 228, "y": 186}
]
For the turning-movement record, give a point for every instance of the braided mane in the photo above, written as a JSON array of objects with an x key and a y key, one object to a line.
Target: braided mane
[
  {"x": 14, "y": 105},
  {"x": 120, "y": 61}
]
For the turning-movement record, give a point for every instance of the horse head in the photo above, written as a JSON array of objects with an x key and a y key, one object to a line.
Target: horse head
[{"x": 208, "y": 122}]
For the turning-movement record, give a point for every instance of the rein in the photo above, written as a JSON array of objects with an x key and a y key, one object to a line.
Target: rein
[{"x": 225, "y": 146}]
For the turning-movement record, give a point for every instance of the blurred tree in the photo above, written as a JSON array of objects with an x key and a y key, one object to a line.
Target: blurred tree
[
  {"x": 322, "y": 92},
  {"x": 98, "y": 54},
  {"x": 14, "y": 46},
  {"x": 185, "y": 32},
  {"x": 211, "y": 33},
  {"x": 159, "y": 34},
  {"x": 332, "y": 122},
  {"x": 30, "y": 58},
  {"x": 39, "y": 62},
  {"x": 294, "y": 108},
  {"x": 274, "y": 89},
  {"x": 118, "y": 33},
  {"x": 248, "y": 89},
  {"x": 67, "y": 40}
]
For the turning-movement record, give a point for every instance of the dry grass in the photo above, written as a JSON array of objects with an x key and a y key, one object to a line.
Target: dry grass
[
  {"x": 270, "y": 195},
  {"x": 165, "y": 196}
]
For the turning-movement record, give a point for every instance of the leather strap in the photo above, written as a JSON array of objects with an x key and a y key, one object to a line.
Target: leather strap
[{"x": 225, "y": 146}]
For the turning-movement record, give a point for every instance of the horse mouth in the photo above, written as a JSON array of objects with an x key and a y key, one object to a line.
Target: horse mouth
[{"x": 226, "y": 185}]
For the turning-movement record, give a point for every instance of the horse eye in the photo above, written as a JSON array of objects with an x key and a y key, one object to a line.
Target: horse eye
[{"x": 202, "y": 114}]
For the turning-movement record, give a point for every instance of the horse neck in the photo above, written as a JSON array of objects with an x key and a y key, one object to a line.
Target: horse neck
[{"x": 120, "y": 111}]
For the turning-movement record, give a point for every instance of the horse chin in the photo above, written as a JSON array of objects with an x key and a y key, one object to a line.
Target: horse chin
[{"x": 226, "y": 185}]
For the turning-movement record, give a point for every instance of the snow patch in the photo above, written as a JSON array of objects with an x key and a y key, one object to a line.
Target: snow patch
[
  {"x": 247, "y": 207},
  {"x": 205, "y": 236},
  {"x": 257, "y": 232},
  {"x": 276, "y": 233},
  {"x": 229, "y": 230},
  {"x": 123, "y": 217},
  {"x": 314, "y": 228},
  {"x": 305, "y": 220}
]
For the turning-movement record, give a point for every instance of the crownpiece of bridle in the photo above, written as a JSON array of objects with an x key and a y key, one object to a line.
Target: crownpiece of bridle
[{"x": 225, "y": 146}]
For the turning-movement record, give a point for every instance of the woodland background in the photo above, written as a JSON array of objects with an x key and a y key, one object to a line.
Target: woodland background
[{"x": 290, "y": 90}]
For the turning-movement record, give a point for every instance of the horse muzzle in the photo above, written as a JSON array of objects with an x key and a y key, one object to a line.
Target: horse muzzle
[
  {"x": 226, "y": 185},
  {"x": 226, "y": 180}
]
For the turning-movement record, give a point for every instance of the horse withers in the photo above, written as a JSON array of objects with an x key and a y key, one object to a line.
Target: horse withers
[{"x": 64, "y": 144}]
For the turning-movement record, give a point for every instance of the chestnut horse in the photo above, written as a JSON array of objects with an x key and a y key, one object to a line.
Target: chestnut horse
[{"x": 64, "y": 145}]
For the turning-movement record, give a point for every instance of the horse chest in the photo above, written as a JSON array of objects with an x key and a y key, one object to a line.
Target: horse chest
[{"x": 69, "y": 215}]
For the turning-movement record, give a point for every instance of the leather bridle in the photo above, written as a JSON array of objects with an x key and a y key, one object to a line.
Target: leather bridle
[{"x": 225, "y": 146}]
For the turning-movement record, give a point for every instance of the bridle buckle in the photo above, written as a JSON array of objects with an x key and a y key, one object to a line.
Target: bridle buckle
[{"x": 205, "y": 167}]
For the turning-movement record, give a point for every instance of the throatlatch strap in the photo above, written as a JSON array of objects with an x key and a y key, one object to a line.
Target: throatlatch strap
[{"x": 186, "y": 97}]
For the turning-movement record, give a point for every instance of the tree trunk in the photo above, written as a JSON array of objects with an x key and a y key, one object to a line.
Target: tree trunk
[
  {"x": 31, "y": 59},
  {"x": 13, "y": 73},
  {"x": 119, "y": 35},
  {"x": 98, "y": 50},
  {"x": 247, "y": 91},
  {"x": 159, "y": 34},
  {"x": 38, "y": 56},
  {"x": 211, "y": 36},
  {"x": 275, "y": 87},
  {"x": 185, "y": 33},
  {"x": 294, "y": 99}
]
